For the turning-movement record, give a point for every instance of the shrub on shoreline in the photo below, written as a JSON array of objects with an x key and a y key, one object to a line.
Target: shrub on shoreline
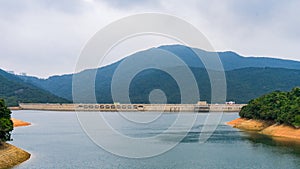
[
  {"x": 280, "y": 107},
  {"x": 6, "y": 124}
]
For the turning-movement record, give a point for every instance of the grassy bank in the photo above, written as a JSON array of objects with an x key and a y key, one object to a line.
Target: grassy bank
[
  {"x": 266, "y": 127},
  {"x": 11, "y": 156}
]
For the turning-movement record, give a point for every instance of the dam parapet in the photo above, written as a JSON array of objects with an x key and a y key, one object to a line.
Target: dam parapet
[{"x": 199, "y": 107}]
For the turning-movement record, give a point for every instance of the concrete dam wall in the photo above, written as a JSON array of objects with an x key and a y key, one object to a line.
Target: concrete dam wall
[{"x": 134, "y": 107}]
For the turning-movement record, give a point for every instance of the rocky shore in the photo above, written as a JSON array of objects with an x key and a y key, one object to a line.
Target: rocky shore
[
  {"x": 11, "y": 155},
  {"x": 266, "y": 127}
]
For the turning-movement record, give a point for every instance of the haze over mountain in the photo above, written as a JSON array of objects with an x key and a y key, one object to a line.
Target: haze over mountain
[
  {"x": 230, "y": 60},
  {"x": 246, "y": 77},
  {"x": 15, "y": 90}
]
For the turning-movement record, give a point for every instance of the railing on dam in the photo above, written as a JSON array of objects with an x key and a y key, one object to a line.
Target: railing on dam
[{"x": 134, "y": 107}]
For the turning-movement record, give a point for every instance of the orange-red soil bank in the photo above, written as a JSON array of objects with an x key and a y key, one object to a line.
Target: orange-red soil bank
[
  {"x": 19, "y": 123},
  {"x": 267, "y": 128}
]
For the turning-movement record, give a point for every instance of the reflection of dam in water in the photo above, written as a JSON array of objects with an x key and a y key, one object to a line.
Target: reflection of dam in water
[{"x": 199, "y": 107}]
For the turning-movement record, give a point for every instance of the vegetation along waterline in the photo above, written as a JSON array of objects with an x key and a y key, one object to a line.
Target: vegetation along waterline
[
  {"x": 274, "y": 114},
  {"x": 9, "y": 154}
]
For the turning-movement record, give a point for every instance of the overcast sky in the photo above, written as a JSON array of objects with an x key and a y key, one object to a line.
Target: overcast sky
[{"x": 45, "y": 37}]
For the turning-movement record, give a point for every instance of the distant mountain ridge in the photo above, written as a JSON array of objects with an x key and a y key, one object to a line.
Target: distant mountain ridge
[
  {"x": 229, "y": 59},
  {"x": 14, "y": 90},
  {"x": 247, "y": 77}
]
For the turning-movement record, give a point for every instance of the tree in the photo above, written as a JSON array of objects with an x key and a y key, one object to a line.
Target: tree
[
  {"x": 280, "y": 107},
  {"x": 6, "y": 125},
  {"x": 296, "y": 123}
]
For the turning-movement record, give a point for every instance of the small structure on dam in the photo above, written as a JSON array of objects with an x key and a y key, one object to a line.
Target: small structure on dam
[{"x": 201, "y": 106}]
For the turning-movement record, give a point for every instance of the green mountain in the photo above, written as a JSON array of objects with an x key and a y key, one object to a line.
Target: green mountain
[
  {"x": 14, "y": 90},
  {"x": 246, "y": 84},
  {"x": 246, "y": 77},
  {"x": 242, "y": 84},
  {"x": 230, "y": 60}
]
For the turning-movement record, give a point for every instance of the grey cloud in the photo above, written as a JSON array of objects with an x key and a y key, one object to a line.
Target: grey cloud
[
  {"x": 16, "y": 7},
  {"x": 68, "y": 6},
  {"x": 36, "y": 33},
  {"x": 125, "y": 4},
  {"x": 255, "y": 9}
]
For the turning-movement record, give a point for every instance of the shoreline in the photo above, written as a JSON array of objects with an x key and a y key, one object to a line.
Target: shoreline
[
  {"x": 20, "y": 123},
  {"x": 266, "y": 128},
  {"x": 11, "y": 155}
]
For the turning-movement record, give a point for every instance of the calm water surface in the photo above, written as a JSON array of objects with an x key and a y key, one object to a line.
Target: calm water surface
[{"x": 56, "y": 140}]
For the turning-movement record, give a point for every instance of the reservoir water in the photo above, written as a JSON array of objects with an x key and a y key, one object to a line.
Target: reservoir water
[{"x": 56, "y": 140}]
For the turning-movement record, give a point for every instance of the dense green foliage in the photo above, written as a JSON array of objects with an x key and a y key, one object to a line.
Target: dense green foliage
[
  {"x": 14, "y": 90},
  {"x": 281, "y": 107},
  {"x": 6, "y": 125}
]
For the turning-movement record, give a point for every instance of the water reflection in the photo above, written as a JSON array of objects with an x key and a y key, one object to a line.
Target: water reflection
[
  {"x": 223, "y": 134},
  {"x": 284, "y": 143}
]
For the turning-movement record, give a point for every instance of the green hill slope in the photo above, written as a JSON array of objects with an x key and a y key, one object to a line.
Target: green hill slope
[
  {"x": 242, "y": 84},
  {"x": 14, "y": 90},
  {"x": 246, "y": 77}
]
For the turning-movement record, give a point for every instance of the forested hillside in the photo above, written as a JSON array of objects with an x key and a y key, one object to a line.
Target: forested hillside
[
  {"x": 246, "y": 77},
  {"x": 242, "y": 84},
  {"x": 13, "y": 90},
  {"x": 278, "y": 106}
]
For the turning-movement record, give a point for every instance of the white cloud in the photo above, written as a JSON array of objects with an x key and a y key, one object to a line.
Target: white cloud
[
  {"x": 45, "y": 41},
  {"x": 44, "y": 37}
]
